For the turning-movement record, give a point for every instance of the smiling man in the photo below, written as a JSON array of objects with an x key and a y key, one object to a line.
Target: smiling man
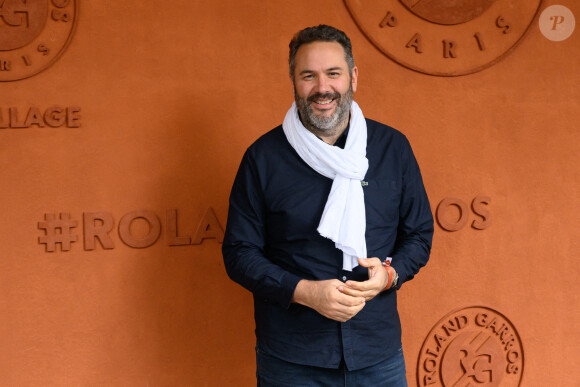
[{"x": 328, "y": 218}]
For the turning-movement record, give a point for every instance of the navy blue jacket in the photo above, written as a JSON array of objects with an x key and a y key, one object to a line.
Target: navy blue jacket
[{"x": 271, "y": 243}]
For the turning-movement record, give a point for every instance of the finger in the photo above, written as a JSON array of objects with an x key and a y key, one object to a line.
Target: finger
[
  {"x": 353, "y": 310},
  {"x": 377, "y": 278},
  {"x": 348, "y": 300},
  {"x": 367, "y": 296},
  {"x": 347, "y": 313},
  {"x": 352, "y": 292},
  {"x": 358, "y": 293},
  {"x": 362, "y": 285},
  {"x": 368, "y": 262},
  {"x": 342, "y": 313}
]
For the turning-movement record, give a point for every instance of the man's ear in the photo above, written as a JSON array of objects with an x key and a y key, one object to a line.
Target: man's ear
[{"x": 354, "y": 78}]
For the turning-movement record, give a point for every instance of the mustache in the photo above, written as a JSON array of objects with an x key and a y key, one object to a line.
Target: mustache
[{"x": 334, "y": 95}]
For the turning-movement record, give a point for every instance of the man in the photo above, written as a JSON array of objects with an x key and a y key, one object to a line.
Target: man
[{"x": 313, "y": 198}]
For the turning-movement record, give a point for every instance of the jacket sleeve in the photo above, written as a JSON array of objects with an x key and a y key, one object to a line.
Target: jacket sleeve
[
  {"x": 245, "y": 238},
  {"x": 415, "y": 229}
]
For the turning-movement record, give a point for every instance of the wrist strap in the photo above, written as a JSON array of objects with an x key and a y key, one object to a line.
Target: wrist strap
[{"x": 386, "y": 264}]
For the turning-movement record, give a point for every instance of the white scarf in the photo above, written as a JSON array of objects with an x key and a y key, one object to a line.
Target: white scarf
[{"x": 343, "y": 220}]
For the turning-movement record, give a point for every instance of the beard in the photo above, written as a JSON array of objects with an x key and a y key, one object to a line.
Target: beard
[{"x": 322, "y": 123}]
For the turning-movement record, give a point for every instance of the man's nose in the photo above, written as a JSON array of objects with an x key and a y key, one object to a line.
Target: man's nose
[{"x": 323, "y": 85}]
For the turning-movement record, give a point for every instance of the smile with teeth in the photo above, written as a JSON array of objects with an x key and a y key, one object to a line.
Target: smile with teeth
[{"x": 324, "y": 102}]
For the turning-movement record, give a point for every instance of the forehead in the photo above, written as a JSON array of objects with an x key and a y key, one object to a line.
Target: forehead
[{"x": 320, "y": 56}]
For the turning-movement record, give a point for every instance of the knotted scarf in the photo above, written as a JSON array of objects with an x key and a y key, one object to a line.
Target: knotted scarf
[{"x": 343, "y": 220}]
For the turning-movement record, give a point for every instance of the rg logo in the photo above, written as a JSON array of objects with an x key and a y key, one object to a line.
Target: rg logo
[
  {"x": 33, "y": 35},
  {"x": 473, "y": 346},
  {"x": 14, "y": 14},
  {"x": 20, "y": 22},
  {"x": 472, "y": 361}
]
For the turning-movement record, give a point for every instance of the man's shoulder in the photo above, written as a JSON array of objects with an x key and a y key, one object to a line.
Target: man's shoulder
[
  {"x": 269, "y": 144},
  {"x": 272, "y": 137},
  {"x": 378, "y": 132}
]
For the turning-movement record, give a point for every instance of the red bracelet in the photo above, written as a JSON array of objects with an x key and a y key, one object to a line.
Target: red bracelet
[{"x": 386, "y": 264}]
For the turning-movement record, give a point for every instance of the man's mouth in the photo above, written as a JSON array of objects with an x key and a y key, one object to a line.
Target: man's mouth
[{"x": 323, "y": 100}]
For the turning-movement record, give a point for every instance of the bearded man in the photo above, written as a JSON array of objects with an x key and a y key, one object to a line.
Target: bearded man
[{"x": 328, "y": 217}]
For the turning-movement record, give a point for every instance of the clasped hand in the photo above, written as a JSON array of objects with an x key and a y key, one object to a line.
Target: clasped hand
[{"x": 342, "y": 301}]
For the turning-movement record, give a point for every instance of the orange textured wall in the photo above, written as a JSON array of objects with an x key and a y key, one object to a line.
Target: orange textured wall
[{"x": 166, "y": 96}]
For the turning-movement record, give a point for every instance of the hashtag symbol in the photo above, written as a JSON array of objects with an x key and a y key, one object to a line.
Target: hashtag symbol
[{"x": 57, "y": 231}]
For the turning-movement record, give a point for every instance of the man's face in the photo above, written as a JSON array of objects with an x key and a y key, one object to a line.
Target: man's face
[{"x": 323, "y": 87}]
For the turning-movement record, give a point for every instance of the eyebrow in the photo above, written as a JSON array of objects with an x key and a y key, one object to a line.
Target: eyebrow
[{"x": 329, "y": 69}]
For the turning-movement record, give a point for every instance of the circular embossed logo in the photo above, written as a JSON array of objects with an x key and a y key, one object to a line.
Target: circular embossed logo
[
  {"x": 444, "y": 38},
  {"x": 33, "y": 35},
  {"x": 474, "y": 346}
]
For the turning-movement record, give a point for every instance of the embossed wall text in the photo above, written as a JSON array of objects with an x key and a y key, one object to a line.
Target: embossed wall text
[
  {"x": 137, "y": 229},
  {"x": 453, "y": 213},
  {"x": 52, "y": 117},
  {"x": 473, "y": 346},
  {"x": 444, "y": 38}
]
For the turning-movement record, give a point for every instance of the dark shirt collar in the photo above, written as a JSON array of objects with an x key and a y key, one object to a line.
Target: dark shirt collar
[{"x": 341, "y": 141}]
